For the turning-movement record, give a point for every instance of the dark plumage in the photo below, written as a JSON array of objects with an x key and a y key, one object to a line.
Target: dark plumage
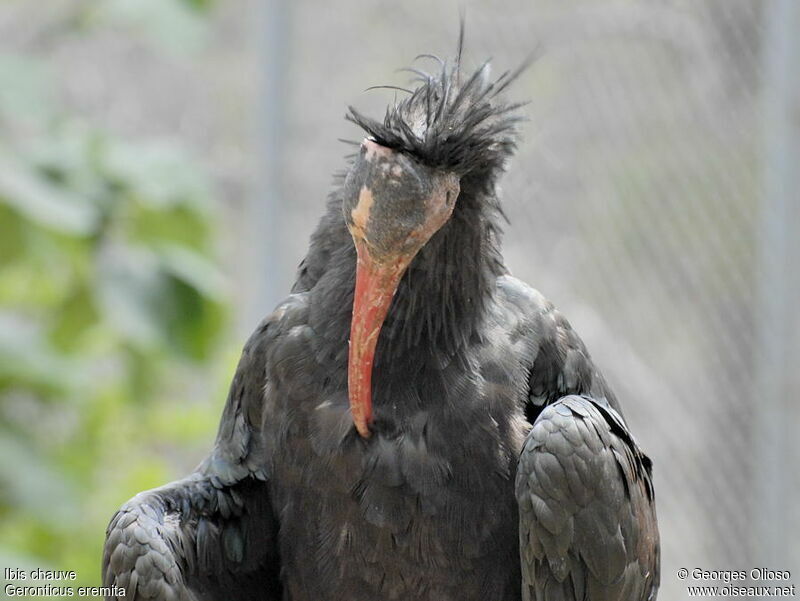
[
  {"x": 294, "y": 504},
  {"x": 587, "y": 529},
  {"x": 448, "y": 124}
]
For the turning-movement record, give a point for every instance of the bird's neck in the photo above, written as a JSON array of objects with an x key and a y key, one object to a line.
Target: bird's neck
[{"x": 442, "y": 299}]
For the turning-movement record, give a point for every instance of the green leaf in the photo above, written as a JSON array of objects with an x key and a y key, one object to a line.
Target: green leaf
[
  {"x": 40, "y": 201},
  {"x": 129, "y": 291},
  {"x": 178, "y": 225},
  {"x": 27, "y": 362},
  {"x": 74, "y": 317},
  {"x": 31, "y": 484},
  {"x": 12, "y": 239},
  {"x": 193, "y": 322},
  {"x": 194, "y": 270},
  {"x": 157, "y": 174},
  {"x": 199, "y": 5}
]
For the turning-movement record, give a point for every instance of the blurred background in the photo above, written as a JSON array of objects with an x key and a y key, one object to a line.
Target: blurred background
[{"x": 162, "y": 163}]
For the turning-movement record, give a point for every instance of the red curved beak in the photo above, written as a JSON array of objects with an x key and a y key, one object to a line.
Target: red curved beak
[
  {"x": 390, "y": 216},
  {"x": 376, "y": 284}
]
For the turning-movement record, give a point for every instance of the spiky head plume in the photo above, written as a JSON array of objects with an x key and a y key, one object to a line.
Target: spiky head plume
[{"x": 444, "y": 122}]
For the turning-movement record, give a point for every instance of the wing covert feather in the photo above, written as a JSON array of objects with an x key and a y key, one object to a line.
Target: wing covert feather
[{"x": 587, "y": 511}]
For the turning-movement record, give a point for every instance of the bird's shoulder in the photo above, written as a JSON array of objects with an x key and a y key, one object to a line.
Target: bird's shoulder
[
  {"x": 267, "y": 343},
  {"x": 520, "y": 300},
  {"x": 239, "y": 450},
  {"x": 559, "y": 362},
  {"x": 525, "y": 313}
]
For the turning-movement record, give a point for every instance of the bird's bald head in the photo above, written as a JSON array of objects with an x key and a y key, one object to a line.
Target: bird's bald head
[{"x": 393, "y": 203}]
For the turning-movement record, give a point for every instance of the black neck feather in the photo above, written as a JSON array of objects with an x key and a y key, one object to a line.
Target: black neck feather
[{"x": 441, "y": 300}]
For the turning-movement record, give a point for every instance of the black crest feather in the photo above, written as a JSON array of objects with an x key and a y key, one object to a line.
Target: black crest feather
[{"x": 444, "y": 122}]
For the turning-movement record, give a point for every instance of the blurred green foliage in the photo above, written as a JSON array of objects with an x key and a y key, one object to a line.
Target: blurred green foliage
[{"x": 111, "y": 305}]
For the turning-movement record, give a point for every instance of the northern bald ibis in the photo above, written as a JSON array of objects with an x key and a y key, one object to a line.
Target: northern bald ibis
[{"x": 462, "y": 446}]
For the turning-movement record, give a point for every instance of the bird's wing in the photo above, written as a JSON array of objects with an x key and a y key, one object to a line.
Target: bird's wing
[
  {"x": 587, "y": 513},
  {"x": 211, "y": 535}
]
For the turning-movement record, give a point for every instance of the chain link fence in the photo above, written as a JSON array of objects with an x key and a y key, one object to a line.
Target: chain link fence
[{"x": 652, "y": 199}]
